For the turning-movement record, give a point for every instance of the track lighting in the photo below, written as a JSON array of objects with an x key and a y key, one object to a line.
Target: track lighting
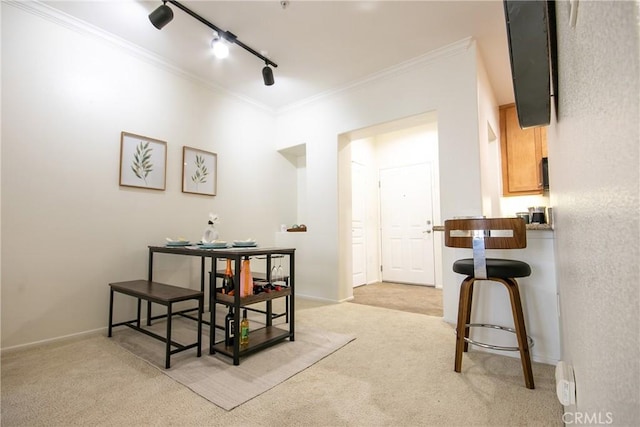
[
  {"x": 267, "y": 75},
  {"x": 163, "y": 15},
  {"x": 219, "y": 46}
]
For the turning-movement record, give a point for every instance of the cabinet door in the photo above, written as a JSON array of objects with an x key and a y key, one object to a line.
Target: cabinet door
[{"x": 521, "y": 155}]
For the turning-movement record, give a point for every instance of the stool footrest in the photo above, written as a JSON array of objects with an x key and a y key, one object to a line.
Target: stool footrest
[{"x": 492, "y": 346}]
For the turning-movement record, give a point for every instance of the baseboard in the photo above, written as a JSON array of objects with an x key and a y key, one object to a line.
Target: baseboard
[
  {"x": 71, "y": 337},
  {"x": 78, "y": 335},
  {"x": 314, "y": 298}
]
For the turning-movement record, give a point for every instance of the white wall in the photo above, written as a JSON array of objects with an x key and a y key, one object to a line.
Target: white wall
[
  {"x": 488, "y": 135},
  {"x": 68, "y": 228},
  {"x": 445, "y": 82},
  {"x": 594, "y": 176}
]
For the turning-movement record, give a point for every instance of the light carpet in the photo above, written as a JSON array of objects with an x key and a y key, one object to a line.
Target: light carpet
[
  {"x": 214, "y": 377},
  {"x": 398, "y": 372},
  {"x": 396, "y": 296}
]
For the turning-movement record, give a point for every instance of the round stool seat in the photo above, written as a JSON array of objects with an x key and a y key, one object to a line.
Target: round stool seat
[{"x": 496, "y": 267}]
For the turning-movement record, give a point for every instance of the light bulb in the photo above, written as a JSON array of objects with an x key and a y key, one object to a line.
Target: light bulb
[{"x": 220, "y": 49}]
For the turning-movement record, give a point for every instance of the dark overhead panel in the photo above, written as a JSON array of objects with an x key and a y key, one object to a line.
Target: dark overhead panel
[{"x": 528, "y": 34}]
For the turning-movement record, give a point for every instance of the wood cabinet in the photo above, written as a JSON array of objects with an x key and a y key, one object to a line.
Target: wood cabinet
[{"x": 522, "y": 153}]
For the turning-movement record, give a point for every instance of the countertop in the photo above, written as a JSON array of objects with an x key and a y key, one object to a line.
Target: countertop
[{"x": 529, "y": 227}]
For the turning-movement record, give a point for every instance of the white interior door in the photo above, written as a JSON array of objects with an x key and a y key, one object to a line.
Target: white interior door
[
  {"x": 359, "y": 248},
  {"x": 406, "y": 225}
]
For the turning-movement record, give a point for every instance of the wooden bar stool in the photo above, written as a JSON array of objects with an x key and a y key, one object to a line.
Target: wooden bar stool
[{"x": 490, "y": 233}]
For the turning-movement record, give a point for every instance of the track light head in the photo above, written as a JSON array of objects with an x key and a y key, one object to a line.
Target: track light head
[
  {"x": 267, "y": 75},
  {"x": 219, "y": 46},
  {"x": 161, "y": 16}
]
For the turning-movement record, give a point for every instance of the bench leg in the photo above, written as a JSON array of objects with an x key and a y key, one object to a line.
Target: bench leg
[
  {"x": 110, "y": 311},
  {"x": 167, "y": 363},
  {"x": 148, "y": 313}
]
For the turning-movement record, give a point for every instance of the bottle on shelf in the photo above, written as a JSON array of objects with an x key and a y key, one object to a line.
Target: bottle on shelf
[
  {"x": 244, "y": 329},
  {"x": 246, "y": 279},
  {"x": 227, "y": 280},
  {"x": 229, "y": 328}
]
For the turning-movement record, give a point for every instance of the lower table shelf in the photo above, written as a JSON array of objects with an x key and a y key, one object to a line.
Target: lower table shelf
[
  {"x": 258, "y": 340},
  {"x": 252, "y": 299}
]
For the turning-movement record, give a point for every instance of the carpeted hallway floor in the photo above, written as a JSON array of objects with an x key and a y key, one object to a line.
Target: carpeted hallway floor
[{"x": 397, "y": 296}]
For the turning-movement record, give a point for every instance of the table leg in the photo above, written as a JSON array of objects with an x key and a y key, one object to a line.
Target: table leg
[
  {"x": 167, "y": 363},
  {"x": 212, "y": 304},
  {"x": 269, "y": 319},
  {"x": 150, "y": 278},
  {"x": 110, "y": 310},
  {"x": 292, "y": 299}
]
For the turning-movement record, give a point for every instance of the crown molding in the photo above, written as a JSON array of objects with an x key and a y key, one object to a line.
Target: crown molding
[
  {"x": 449, "y": 50},
  {"x": 70, "y": 22}
]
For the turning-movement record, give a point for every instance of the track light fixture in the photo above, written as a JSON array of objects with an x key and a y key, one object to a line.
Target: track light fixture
[
  {"x": 163, "y": 15},
  {"x": 219, "y": 46},
  {"x": 267, "y": 75}
]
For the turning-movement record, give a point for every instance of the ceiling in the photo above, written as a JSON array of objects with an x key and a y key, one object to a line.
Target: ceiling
[{"x": 319, "y": 46}]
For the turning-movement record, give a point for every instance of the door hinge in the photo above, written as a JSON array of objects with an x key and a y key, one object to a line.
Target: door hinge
[{"x": 381, "y": 269}]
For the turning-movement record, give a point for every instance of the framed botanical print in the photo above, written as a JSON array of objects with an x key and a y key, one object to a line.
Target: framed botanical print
[
  {"x": 199, "y": 171},
  {"x": 143, "y": 161}
]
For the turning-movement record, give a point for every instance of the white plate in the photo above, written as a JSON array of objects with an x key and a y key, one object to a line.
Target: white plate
[
  {"x": 181, "y": 243},
  {"x": 212, "y": 245},
  {"x": 244, "y": 244}
]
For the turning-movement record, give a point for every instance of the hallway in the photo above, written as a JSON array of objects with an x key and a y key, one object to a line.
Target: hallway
[{"x": 397, "y": 296}]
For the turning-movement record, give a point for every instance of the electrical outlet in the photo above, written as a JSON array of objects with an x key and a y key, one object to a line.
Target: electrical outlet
[{"x": 565, "y": 384}]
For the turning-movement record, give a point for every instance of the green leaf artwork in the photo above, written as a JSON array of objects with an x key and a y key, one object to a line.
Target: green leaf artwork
[
  {"x": 142, "y": 165},
  {"x": 201, "y": 173}
]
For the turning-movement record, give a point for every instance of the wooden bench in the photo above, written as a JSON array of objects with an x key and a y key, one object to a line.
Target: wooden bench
[{"x": 162, "y": 294}]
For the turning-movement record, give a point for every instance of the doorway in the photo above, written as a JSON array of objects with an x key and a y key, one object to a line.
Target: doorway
[{"x": 364, "y": 156}]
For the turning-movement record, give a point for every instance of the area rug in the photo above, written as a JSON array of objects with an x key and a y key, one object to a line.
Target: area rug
[{"x": 214, "y": 377}]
